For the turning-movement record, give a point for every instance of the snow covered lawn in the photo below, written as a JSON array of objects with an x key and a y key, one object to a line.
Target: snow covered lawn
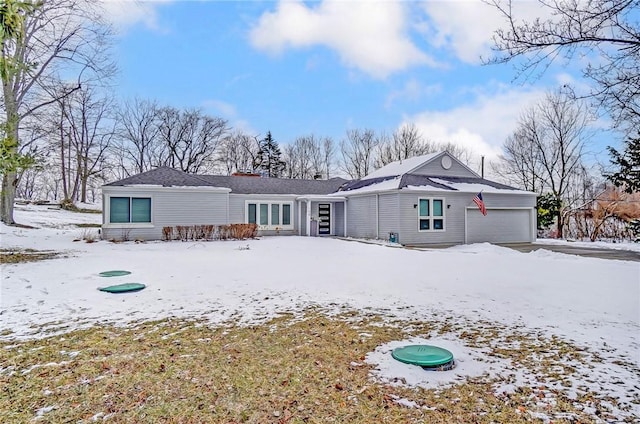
[{"x": 550, "y": 298}]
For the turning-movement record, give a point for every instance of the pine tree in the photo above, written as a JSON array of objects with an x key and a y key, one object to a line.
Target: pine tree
[
  {"x": 269, "y": 159},
  {"x": 627, "y": 165}
]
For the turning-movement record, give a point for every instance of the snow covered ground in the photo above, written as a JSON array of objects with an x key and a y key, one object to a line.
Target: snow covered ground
[{"x": 594, "y": 303}]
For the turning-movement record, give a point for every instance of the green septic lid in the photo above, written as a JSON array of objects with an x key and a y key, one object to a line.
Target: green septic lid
[
  {"x": 123, "y": 288},
  {"x": 117, "y": 273},
  {"x": 423, "y": 355}
]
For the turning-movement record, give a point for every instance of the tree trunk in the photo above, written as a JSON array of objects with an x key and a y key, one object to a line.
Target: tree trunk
[
  {"x": 560, "y": 223},
  {"x": 63, "y": 165},
  {"x": 9, "y": 182},
  {"x": 83, "y": 180},
  {"x": 10, "y": 176}
]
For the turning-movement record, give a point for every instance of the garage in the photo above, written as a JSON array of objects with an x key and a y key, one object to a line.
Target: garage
[{"x": 501, "y": 226}]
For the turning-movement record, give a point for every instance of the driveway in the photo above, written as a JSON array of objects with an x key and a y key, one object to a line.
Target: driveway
[{"x": 589, "y": 252}]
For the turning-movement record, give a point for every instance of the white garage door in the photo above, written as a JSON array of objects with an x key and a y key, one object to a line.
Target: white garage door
[{"x": 499, "y": 226}]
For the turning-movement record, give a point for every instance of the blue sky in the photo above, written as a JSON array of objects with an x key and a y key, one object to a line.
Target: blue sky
[{"x": 297, "y": 68}]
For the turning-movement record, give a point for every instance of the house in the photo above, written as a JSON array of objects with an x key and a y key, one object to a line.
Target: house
[{"x": 422, "y": 200}]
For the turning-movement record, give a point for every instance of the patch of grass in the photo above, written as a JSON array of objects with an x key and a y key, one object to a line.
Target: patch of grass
[
  {"x": 68, "y": 205},
  {"x": 289, "y": 370},
  {"x": 87, "y": 235},
  {"x": 88, "y": 225},
  {"x": 14, "y": 256},
  {"x": 84, "y": 210}
]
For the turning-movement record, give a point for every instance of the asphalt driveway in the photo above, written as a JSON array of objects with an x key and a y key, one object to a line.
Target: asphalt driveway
[{"x": 590, "y": 252}]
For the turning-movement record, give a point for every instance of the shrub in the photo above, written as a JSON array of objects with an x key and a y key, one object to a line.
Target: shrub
[
  {"x": 167, "y": 233},
  {"x": 210, "y": 232}
]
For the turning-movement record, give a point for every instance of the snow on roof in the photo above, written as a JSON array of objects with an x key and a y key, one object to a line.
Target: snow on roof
[
  {"x": 401, "y": 167},
  {"x": 473, "y": 187},
  {"x": 410, "y": 182},
  {"x": 385, "y": 185}
]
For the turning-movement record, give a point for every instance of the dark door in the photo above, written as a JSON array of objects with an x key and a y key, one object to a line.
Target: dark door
[{"x": 324, "y": 218}]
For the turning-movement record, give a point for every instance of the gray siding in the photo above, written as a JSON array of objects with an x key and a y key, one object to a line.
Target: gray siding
[
  {"x": 337, "y": 215},
  {"x": 388, "y": 215},
  {"x": 454, "y": 206},
  {"x": 237, "y": 204},
  {"x": 338, "y": 219},
  {"x": 303, "y": 215},
  {"x": 361, "y": 216},
  {"x": 169, "y": 207},
  {"x": 500, "y": 226},
  {"x": 435, "y": 168},
  {"x": 505, "y": 200}
]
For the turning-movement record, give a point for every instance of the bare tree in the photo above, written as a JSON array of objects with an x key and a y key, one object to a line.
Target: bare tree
[
  {"x": 604, "y": 34},
  {"x": 406, "y": 142},
  {"x": 89, "y": 130},
  {"x": 358, "y": 151},
  {"x": 191, "y": 138},
  {"x": 520, "y": 164},
  {"x": 463, "y": 153},
  {"x": 137, "y": 133},
  {"x": 545, "y": 153},
  {"x": 49, "y": 34},
  {"x": 328, "y": 152},
  {"x": 304, "y": 157},
  {"x": 238, "y": 152}
]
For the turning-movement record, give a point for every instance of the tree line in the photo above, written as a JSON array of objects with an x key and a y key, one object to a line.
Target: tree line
[
  {"x": 545, "y": 153},
  {"x": 63, "y": 134}
]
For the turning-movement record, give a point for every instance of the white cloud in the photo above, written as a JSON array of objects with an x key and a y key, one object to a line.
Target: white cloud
[
  {"x": 367, "y": 35},
  {"x": 229, "y": 112},
  {"x": 413, "y": 91},
  {"x": 467, "y": 27},
  {"x": 124, "y": 14},
  {"x": 481, "y": 126}
]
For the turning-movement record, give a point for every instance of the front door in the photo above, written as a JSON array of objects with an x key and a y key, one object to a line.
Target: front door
[{"x": 324, "y": 218}]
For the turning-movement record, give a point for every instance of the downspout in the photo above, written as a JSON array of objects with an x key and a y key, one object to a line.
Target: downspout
[
  {"x": 308, "y": 218},
  {"x": 377, "y": 216},
  {"x": 345, "y": 217},
  {"x": 534, "y": 224},
  {"x": 299, "y": 204},
  {"x": 466, "y": 212},
  {"x": 228, "y": 209}
]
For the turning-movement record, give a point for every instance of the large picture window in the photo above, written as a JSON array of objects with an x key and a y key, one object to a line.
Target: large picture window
[
  {"x": 430, "y": 214},
  {"x": 270, "y": 215},
  {"x": 129, "y": 209}
]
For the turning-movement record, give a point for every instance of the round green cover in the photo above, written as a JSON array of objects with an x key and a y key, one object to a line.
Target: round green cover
[
  {"x": 117, "y": 273},
  {"x": 423, "y": 355},
  {"x": 122, "y": 288}
]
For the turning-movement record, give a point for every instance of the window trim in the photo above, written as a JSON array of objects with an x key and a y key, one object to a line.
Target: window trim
[
  {"x": 270, "y": 203},
  {"x": 107, "y": 212},
  {"x": 431, "y": 218}
]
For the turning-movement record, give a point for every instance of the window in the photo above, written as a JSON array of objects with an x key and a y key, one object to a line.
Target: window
[
  {"x": 270, "y": 215},
  {"x": 430, "y": 215},
  {"x": 251, "y": 215},
  {"x": 286, "y": 214},
  {"x": 129, "y": 209}
]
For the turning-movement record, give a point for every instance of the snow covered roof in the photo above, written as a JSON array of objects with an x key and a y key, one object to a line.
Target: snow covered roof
[
  {"x": 430, "y": 183},
  {"x": 401, "y": 167}
]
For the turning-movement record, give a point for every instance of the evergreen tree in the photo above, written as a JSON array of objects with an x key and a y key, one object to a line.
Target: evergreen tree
[
  {"x": 627, "y": 174},
  {"x": 548, "y": 207},
  {"x": 269, "y": 159}
]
